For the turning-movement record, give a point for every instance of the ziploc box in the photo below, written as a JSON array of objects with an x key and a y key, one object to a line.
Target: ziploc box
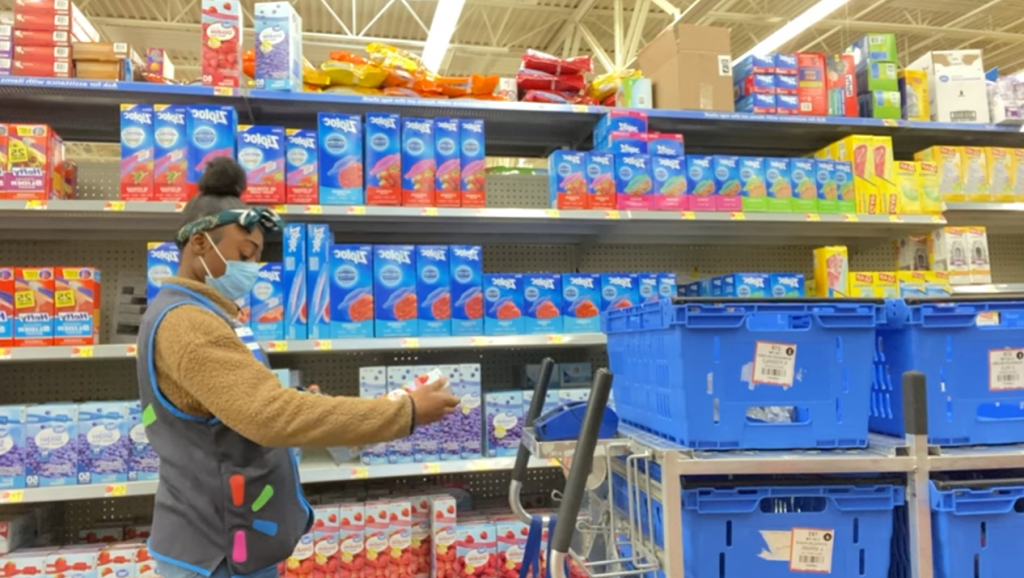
[
  {"x": 293, "y": 239},
  {"x": 103, "y": 442},
  {"x": 845, "y": 187},
  {"x": 470, "y": 410},
  {"x": 394, "y": 288},
  {"x": 318, "y": 285},
  {"x": 746, "y": 285},
  {"x": 581, "y": 302},
  {"x": 727, "y": 183},
  {"x": 418, "y": 164},
  {"x": 753, "y": 84},
  {"x": 999, "y": 164},
  {"x": 754, "y": 64},
  {"x": 504, "y": 416},
  {"x": 633, "y": 185},
  {"x": 542, "y": 300},
  {"x": 373, "y": 385},
  {"x": 6, "y": 306},
  {"x": 340, "y": 152},
  {"x": 787, "y": 104},
  {"x": 261, "y": 152},
  {"x": 753, "y": 190},
  {"x": 700, "y": 182},
  {"x": 433, "y": 290},
  {"x": 137, "y": 152},
  {"x": 619, "y": 121},
  {"x": 211, "y": 133},
  {"x": 267, "y": 303},
  {"x": 647, "y": 287},
  {"x": 170, "y": 150},
  {"x": 803, "y": 179},
  {"x": 503, "y": 294},
  {"x": 567, "y": 181},
  {"x": 12, "y": 422},
  {"x": 600, "y": 173},
  {"x": 909, "y": 187},
  {"x": 663, "y": 144},
  {"x": 466, "y": 275},
  {"x": 448, "y": 158},
  {"x": 786, "y": 285},
  {"x": 618, "y": 291},
  {"x": 785, "y": 85},
  {"x": 627, "y": 143},
  {"x": 76, "y": 305},
  {"x": 951, "y": 185},
  {"x": 667, "y": 285},
  {"x": 51, "y": 460},
  {"x": 351, "y": 280},
  {"x": 757, "y": 104},
  {"x": 351, "y": 530},
  {"x": 776, "y": 179},
  {"x": 161, "y": 263},
  {"x": 974, "y": 171},
  {"x": 383, "y": 149},
  {"x": 473, "y": 169},
  {"x": 669, "y": 176},
  {"x": 33, "y": 306},
  {"x": 301, "y": 177},
  {"x": 143, "y": 463}
]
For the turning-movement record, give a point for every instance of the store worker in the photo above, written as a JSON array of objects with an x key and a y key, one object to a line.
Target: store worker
[{"x": 229, "y": 502}]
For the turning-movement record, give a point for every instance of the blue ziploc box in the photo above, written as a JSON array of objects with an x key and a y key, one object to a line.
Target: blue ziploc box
[
  {"x": 575, "y": 374},
  {"x": 542, "y": 297},
  {"x": 626, "y": 143},
  {"x": 753, "y": 189},
  {"x": 785, "y": 85},
  {"x": 278, "y": 46},
  {"x": 753, "y": 84},
  {"x": 340, "y": 151},
  {"x": 394, "y": 291},
  {"x": 170, "y": 149},
  {"x": 669, "y": 180},
  {"x": 694, "y": 289},
  {"x": 567, "y": 180},
  {"x": 266, "y": 303},
  {"x": 619, "y": 121},
  {"x": 661, "y": 144},
  {"x": 161, "y": 263},
  {"x": 581, "y": 302},
  {"x": 143, "y": 462},
  {"x": 373, "y": 384},
  {"x": 619, "y": 290},
  {"x": 466, "y": 275},
  {"x": 647, "y": 287},
  {"x": 503, "y": 296},
  {"x": 667, "y": 285},
  {"x": 504, "y": 425},
  {"x": 633, "y": 184},
  {"x": 700, "y": 182},
  {"x": 103, "y": 443},
  {"x": 757, "y": 104},
  {"x": 433, "y": 290},
  {"x": 746, "y": 285},
  {"x": 293, "y": 239},
  {"x": 778, "y": 188},
  {"x": 212, "y": 131},
  {"x": 261, "y": 153},
  {"x": 787, "y": 104},
  {"x": 785, "y": 64},
  {"x": 754, "y": 65},
  {"x": 786, "y": 284},
  {"x": 474, "y": 158},
  {"x": 51, "y": 434},
  {"x": 470, "y": 411},
  {"x": 803, "y": 176},
  {"x": 418, "y": 163},
  {"x": 448, "y": 159},
  {"x": 136, "y": 152},
  {"x": 717, "y": 287},
  {"x": 400, "y": 451},
  {"x": 12, "y": 450},
  {"x": 351, "y": 281},
  {"x": 449, "y": 446},
  {"x": 383, "y": 149},
  {"x": 318, "y": 285}
]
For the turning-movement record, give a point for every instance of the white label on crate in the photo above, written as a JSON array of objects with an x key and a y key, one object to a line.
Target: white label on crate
[
  {"x": 774, "y": 363},
  {"x": 1005, "y": 369},
  {"x": 778, "y": 543},
  {"x": 988, "y": 319},
  {"x": 811, "y": 550}
]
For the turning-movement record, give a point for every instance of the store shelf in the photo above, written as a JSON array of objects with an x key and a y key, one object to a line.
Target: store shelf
[
  {"x": 997, "y": 218},
  {"x": 976, "y": 458},
  {"x": 128, "y": 351},
  {"x": 996, "y": 289},
  {"x": 318, "y": 469}
]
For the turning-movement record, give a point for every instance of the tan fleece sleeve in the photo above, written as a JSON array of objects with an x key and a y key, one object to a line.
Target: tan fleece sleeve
[{"x": 202, "y": 355}]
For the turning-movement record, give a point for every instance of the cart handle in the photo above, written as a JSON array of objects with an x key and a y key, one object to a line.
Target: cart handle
[
  {"x": 540, "y": 393},
  {"x": 579, "y": 471}
]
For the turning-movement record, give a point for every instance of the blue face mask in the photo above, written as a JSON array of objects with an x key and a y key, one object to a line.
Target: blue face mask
[{"x": 238, "y": 279}]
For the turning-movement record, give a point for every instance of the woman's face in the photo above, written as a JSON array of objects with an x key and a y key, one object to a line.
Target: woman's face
[{"x": 234, "y": 242}]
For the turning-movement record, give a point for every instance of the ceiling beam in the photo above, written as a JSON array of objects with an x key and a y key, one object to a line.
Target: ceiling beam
[{"x": 960, "y": 20}]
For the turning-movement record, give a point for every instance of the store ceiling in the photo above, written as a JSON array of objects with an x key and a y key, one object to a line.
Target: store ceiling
[{"x": 492, "y": 34}]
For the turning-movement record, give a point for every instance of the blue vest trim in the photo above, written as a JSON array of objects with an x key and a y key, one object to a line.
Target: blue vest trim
[
  {"x": 179, "y": 563},
  {"x": 152, "y": 368}
]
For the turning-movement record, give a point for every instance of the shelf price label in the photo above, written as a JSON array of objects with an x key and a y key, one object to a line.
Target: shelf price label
[
  {"x": 580, "y": 108},
  {"x": 813, "y": 217},
  {"x": 614, "y": 215},
  {"x": 81, "y": 352},
  {"x": 224, "y": 90},
  {"x": 323, "y": 345},
  {"x": 179, "y": 207},
  {"x": 895, "y": 218},
  {"x": 12, "y": 497},
  {"x": 432, "y": 468},
  {"x": 131, "y": 351},
  {"x": 113, "y": 206},
  {"x": 280, "y": 209},
  {"x": 554, "y": 462},
  {"x": 850, "y": 218},
  {"x": 357, "y": 210},
  {"x": 890, "y": 122},
  {"x": 5, "y": 353},
  {"x": 115, "y": 491},
  {"x": 938, "y": 219},
  {"x": 35, "y": 205},
  {"x": 688, "y": 215},
  {"x": 360, "y": 473},
  {"x": 737, "y": 216},
  {"x": 478, "y": 465},
  {"x": 277, "y": 346},
  {"x": 313, "y": 209},
  {"x": 410, "y": 343},
  {"x": 556, "y": 339},
  {"x": 479, "y": 341},
  {"x": 429, "y": 211},
  {"x": 552, "y": 213}
]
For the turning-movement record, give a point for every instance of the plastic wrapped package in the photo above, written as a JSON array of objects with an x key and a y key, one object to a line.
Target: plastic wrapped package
[
  {"x": 349, "y": 74},
  {"x": 541, "y": 61},
  {"x": 529, "y": 79}
]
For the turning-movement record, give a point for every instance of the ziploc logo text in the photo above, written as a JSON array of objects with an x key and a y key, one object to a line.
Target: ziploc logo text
[
  {"x": 171, "y": 117},
  {"x": 789, "y": 282},
  {"x": 470, "y": 254},
  {"x": 754, "y": 281},
  {"x": 435, "y": 254},
  {"x": 545, "y": 283},
  {"x": 302, "y": 141},
  {"x": 270, "y": 275},
  {"x": 587, "y": 282},
  {"x": 294, "y": 237},
  {"x": 626, "y": 282},
  {"x": 267, "y": 141},
  {"x": 507, "y": 283},
  {"x": 139, "y": 117},
  {"x": 210, "y": 115},
  {"x": 418, "y": 126},
  {"x": 342, "y": 124},
  {"x": 168, "y": 256},
  {"x": 352, "y": 255},
  {"x": 383, "y": 121},
  {"x": 318, "y": 238},
  {"x": 398, "y": 256}
]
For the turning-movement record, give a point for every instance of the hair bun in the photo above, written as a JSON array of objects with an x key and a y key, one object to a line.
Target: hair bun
[{"x": 223, "y": 177}]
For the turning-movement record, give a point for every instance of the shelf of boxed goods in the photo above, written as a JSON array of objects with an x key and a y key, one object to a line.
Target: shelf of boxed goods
[
  {"x": 123, "y": 351},
  {"x": 997, "y": 218}
]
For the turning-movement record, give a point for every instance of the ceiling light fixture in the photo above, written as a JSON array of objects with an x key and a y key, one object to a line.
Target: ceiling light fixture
[
  {"x": 794, "y": 27},
  {"x": 442, "y": 27}
]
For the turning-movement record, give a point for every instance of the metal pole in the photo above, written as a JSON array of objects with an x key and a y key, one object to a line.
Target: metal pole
[{"x": 915, "y": 418}]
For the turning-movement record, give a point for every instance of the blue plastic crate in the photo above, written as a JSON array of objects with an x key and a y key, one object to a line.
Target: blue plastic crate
[
  {"x": 688, "y": 373},
  {"x": 977, "y": 533},
  {"x": 972, "y": 356}
]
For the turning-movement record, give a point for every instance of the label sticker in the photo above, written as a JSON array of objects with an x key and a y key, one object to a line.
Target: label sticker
[
  {"x": 724, "y": 65},
  {"x": 811, "y": 550},
  {"x": 774, "y": 363},
  {"x": 1005, "y": 369},
  {"x": 987, "y": 319}
]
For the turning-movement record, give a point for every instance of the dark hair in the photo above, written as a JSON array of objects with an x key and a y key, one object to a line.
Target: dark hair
[{"x": 220, "y": 189}]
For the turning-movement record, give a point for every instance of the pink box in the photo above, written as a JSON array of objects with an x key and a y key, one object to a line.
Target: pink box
[{"x": 222, "y": 43}]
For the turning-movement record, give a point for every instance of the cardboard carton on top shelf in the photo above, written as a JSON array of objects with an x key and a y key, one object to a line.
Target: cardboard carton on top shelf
[
  {"x": 956, "y": 85},
  {"x": 690, "y": 67}
]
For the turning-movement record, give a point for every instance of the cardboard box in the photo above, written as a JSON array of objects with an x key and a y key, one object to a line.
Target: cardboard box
[
  {"x": 102, "y": 51},
  {"x": 691, "y": 68},
  {"x": 880, "y": 104},
  {"x": 46, "y": 69},
  {"x": 913, "y": 86},
  {"x": 949, "y": 250},
  {"x": 877, "y": 75},
  {"x": 981, "y": 267},
  {"x": 841, "y": 83},
  {"x": 99, "y": 70},
  {"x": 811, "y": 86},
  {"x": 956, "y": 85},
  {"x": 873, "y": 47},
  {"x": 885, "y": 179}
]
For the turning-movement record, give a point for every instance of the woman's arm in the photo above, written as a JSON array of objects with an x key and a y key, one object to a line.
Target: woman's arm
[{"x": 202, "y": 355}]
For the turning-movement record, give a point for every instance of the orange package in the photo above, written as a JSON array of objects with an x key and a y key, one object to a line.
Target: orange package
[
  {"x": 33, "y": 306},
  {"x": 76, "y": 298}
]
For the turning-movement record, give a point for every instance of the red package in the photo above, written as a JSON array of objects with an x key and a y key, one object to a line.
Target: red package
[
  {"x": 222, "y": 43},
  {"x": 42, "y": 21},
  {"x": 811, "y": 90},
  {"x": 841, "y": 78},
  {"x": 536, "y": 60},
  {"x": 42, "y": 53},
  {"x": 42, "y": 6},
  {"x": 51, "y": 69},
  {"x": 528, "y": 79},
  {"x": 41, "y": 38},
  {"x": 548, "y": 96}
]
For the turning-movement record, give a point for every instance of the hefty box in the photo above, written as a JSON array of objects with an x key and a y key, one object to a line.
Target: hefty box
[
  {"x": 811, "y": 86},
  {"x": 474, "y": 153},
  {"x": 394, "y": 287},
  {"x": 600, "y": 171},
  {"x": 841, "y": 84},
  {"x": 170, "y": 150},
  {"x": 805, "y": 187},
  {"x": 974, "y": 175},
  {"x": 700, "y": 182},
  {"x": 662, "y": 144},
  {"x": 33, "y": 306},
  {"x": 318, "y": 290},
  {"x": 267, "y": 303},
  {"x": 51, "y": 460},
  {"x": 433, "y": 290},
  {"x": 261, "y": 153},
  {"x": 503, "y": 294},
  {"x": 382, "y": 147},
  {"x": 293, "y": 240},
  {"x": 6, "y": 306},
  {"x": 222, "y": 43},
  {"x": 302, "y": 171},
  {"x": 34, "y": 155},
  {"x": 908, "y": 185},
  {"x": 542, "y": 298},
  {"x": 776, "y": 177},
  {"x": 103, "y": 442},
  {"x": 211, "y": 134},
  {"x": 351, "y": 536},
  {"x": 619, "y": 290},
  {"x": 633, "y": 182},
  {"x": 76, "y": 299},
  {"x": 567, "y": 181},
  {"x": 727, "y": 183},
  {"x": 161, "y": 263},
  {"x": 418, "y": 164},
  {"x": 581, "y": 302},
  {"x": 948, "y": 160},
  {"x": 858, "y": 150},
  {"x": 928, "y": 176},
  {"x": 340, "y": 152},
  {"x": 669, "y": 178},
  {"x": 373, "y": 384},
  {"x": 448, "y": 159},
  {"x": 466, "y": 275},
  {"x": 279, "y": 40},
  {"x": 999, "y": 164},
  {"x": 753, "y": 190}
]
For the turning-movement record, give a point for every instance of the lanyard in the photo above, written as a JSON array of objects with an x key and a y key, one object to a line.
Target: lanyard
[{"x": 531, "y": 553}]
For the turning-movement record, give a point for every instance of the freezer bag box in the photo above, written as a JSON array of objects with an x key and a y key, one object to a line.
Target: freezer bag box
[
  {"x": 394, "y": 282},
  {"x": 170, "y": 149},
  {"x": 433, "y": 290},
  {"x": 267, "y": 303},
  {"x": 383, "y": 148},
  {"x": 261, "y": 153},
  {"x": 466, "y": 276},
  {"x": 137, "y": 152},
  {"x": 318, "y": 302},
  {"x": 351, "y": 279},
  {"x": 542, "y": 298},
  {"x": 211, "y": 133},
  {"x": 340, "y": 152},
  {"x": 503, "y": 296}
]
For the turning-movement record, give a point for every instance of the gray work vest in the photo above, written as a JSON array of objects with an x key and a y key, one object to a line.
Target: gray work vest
[{"x": 221, "y": 497}]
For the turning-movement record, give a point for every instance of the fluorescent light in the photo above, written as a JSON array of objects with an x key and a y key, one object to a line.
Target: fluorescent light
[
  {"x": 441, "y": 29},
  {"x": 795, "y": 26}
]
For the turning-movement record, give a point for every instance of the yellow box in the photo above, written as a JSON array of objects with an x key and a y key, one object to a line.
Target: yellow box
[
  {"x": 885, "y": 180},
  {"x": 937, "y": 284},
  {"x": 999, "y": 163},
  {"x": 915, "y": 97},
  {"x": 974, "y": 171},
  {"x": 877, "y": 284},
  {"x": 831, "y": 271},
  {"x": 912, "y": 283},
  {"x": 909, "y": 186},
  {"x": 825, "y": 153},
  {"x": 928, "y": 178},
  {"x": 1018, "y": 175},
  {"x": 862, "y": 284},
  {"x": 858, "y": 149},
  {"x": 951, "y": 185},
  {"x": 886, "y": 286}
]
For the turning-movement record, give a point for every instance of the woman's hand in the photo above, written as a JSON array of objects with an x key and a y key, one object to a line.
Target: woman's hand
[{"x": 432, "y": 404}]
